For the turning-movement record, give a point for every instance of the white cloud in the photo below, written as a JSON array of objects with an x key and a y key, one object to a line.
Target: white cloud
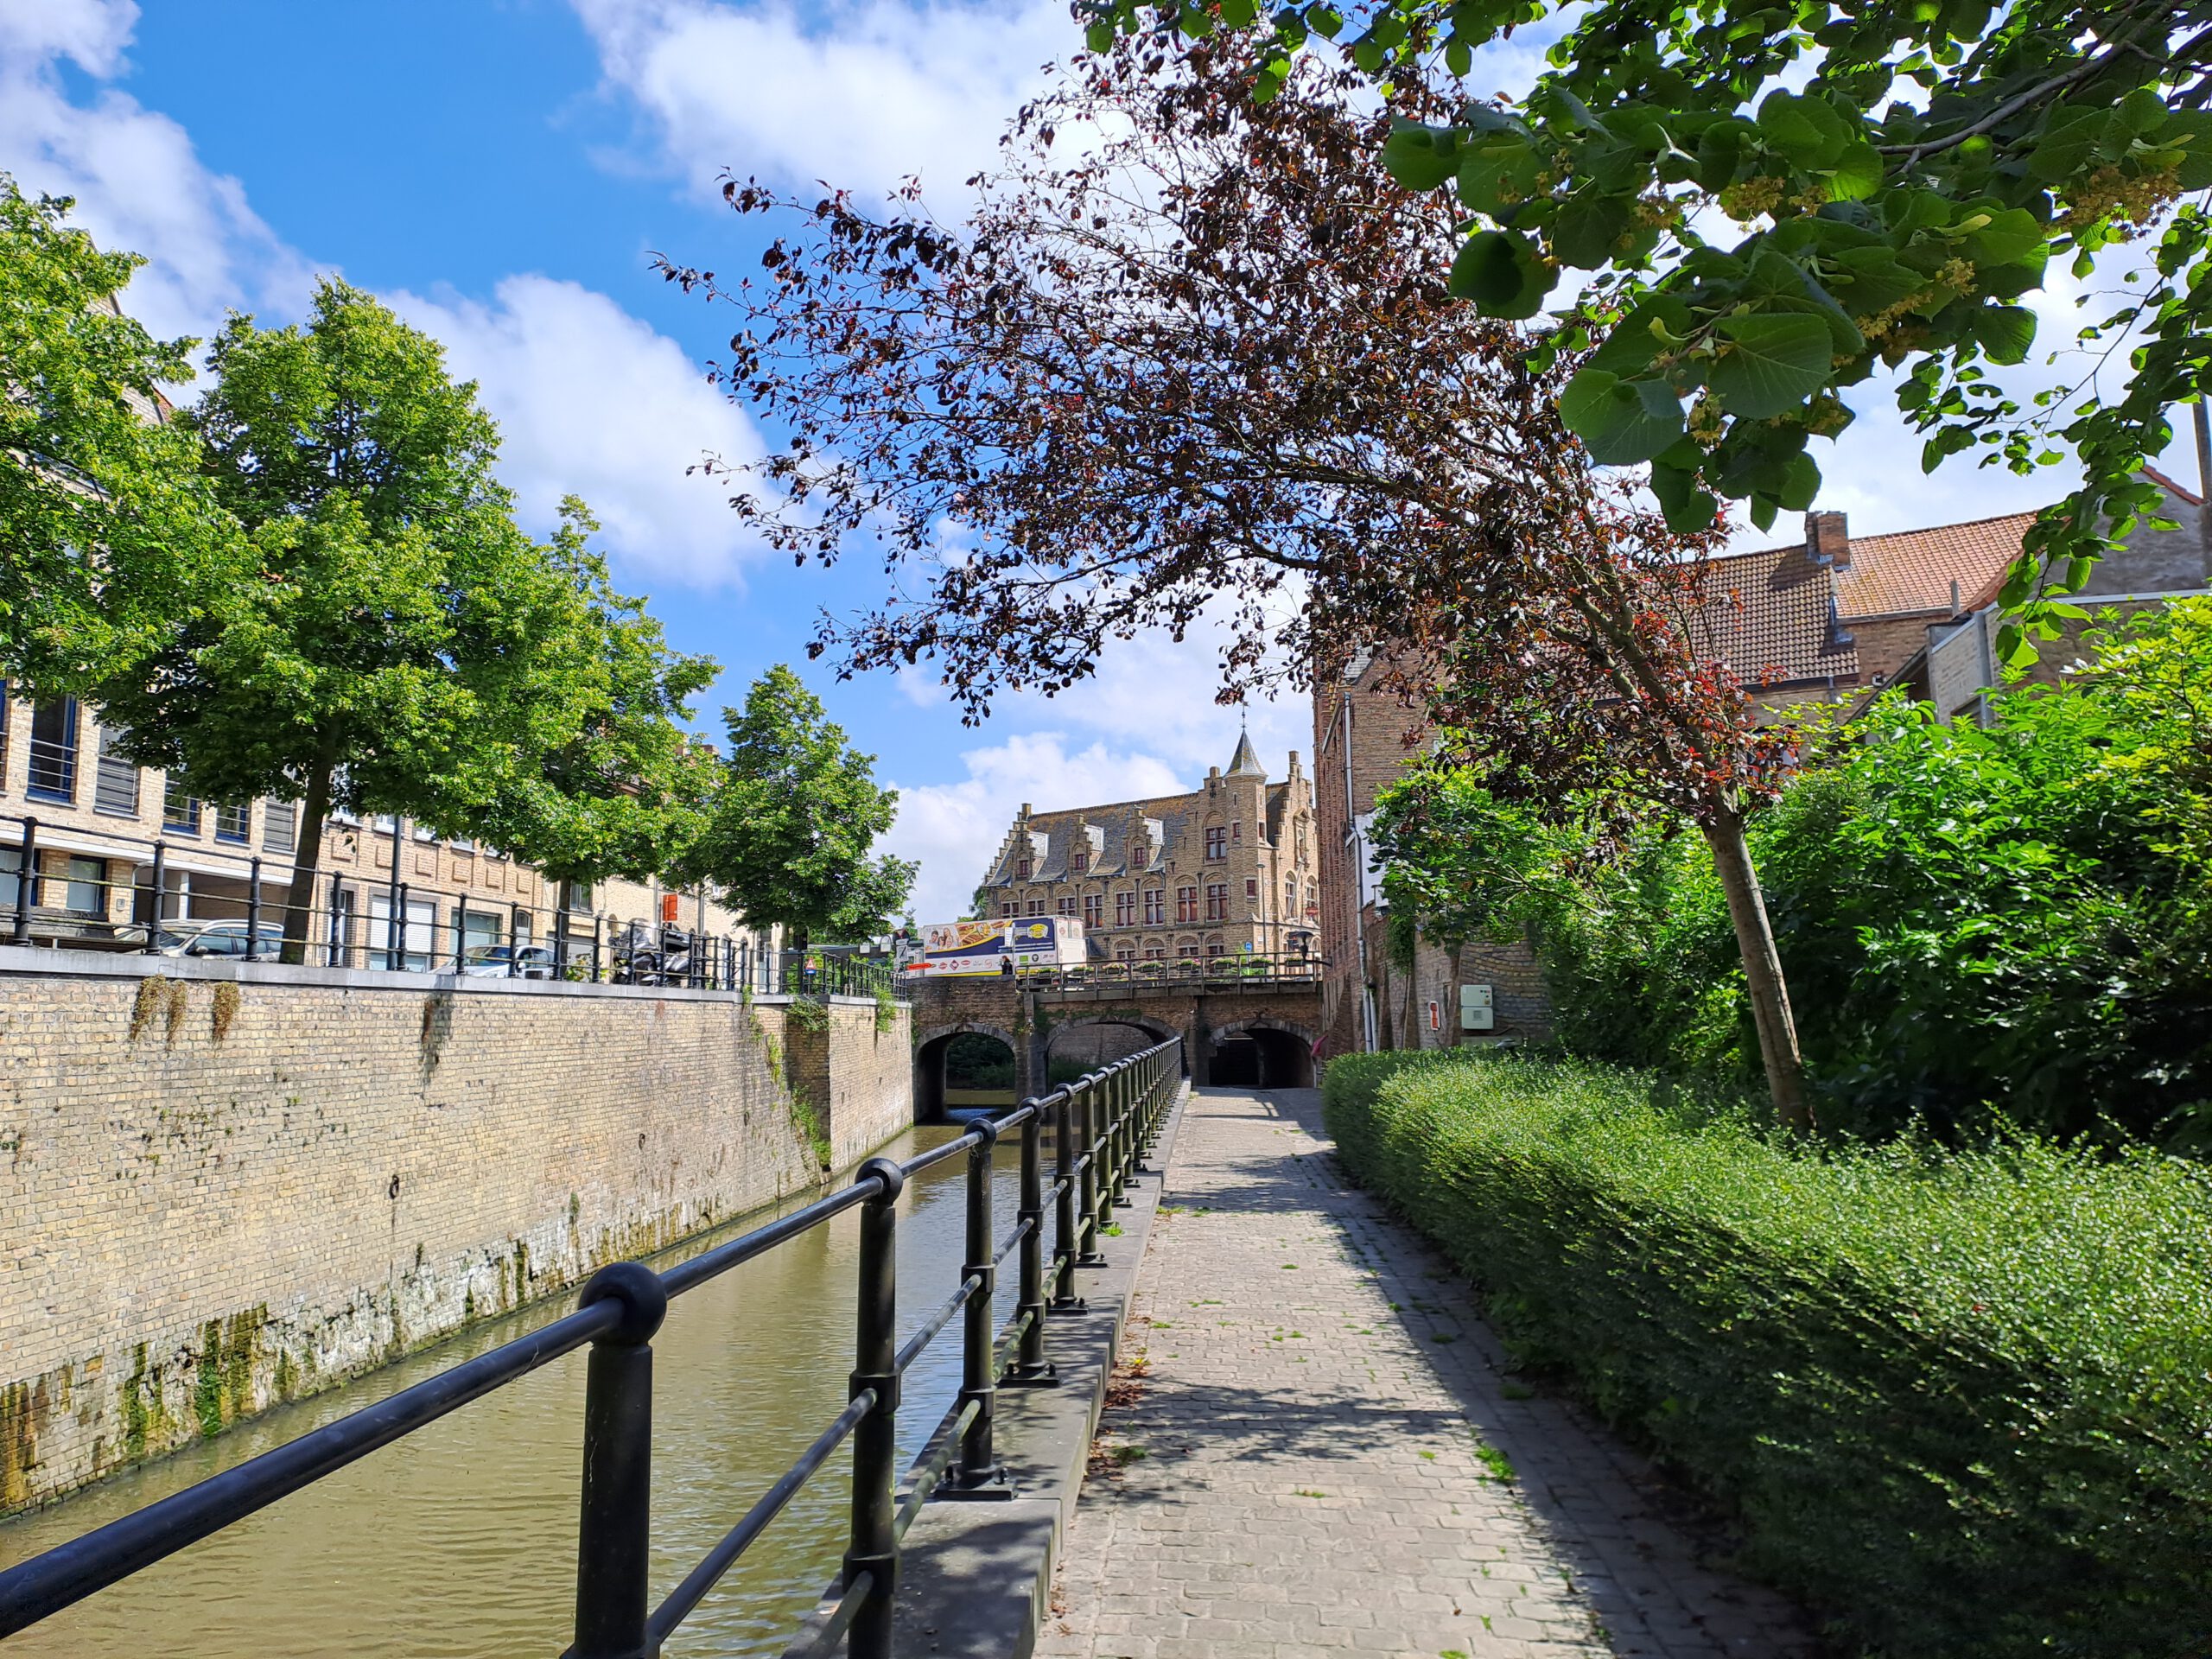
[
  {"x": 593, "y": 402},
  {"x": 953, "y": 828},
  {"x": 860, "y": 93},
  {"x": 137, "y": 181}
]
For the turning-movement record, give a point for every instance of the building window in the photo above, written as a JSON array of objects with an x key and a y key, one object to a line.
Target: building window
[
  {"x": 1138, "y": 855},
  {"x": 1182, "y": 950},
  {"x": 1217, "y": 843},
  {"x": 234, "y": 823},
  {"x": 1079, "y": 861},
  {"x": 86, "y": 891},
  {"x": 1007, "y": 908},
  {"x": 1290, "y": 897},
  {"x": 1094, "y": 909},
  {"x": 1125, "y": 909},
  {"x": 1213, "y": 948},
  {"x": 114, "y": 780},
  {"x": 1252, "y": 888},
  {"x": 54, "y": 750},
  {"x": 423, "y": 832},
  {"x": 11, "y": 864},
  {"x": 1155, "y": 953},
  {"x": 1155, "y": 906},
  {"x": 575, "y": 895},
  {"x": 280, "y": 828},
  {"x": 1036, "y": 906},
  {"x": 1186, "y": 904},
  {"x": 180, "y": 807},
  {"x": 1218, "y": 901},
  {"x": 387, "y": 823},
  {"x": 1022, "y": 870},
  {"x": 1236, "y": 830},
  {"x": 1125, "y": 955},
  {"x": 1067, "y": 904}
]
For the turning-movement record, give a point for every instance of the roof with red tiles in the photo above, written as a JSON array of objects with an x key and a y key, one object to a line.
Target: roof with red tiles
[
  {"x": 1912, "y": 570},
  {"x": 1770, "y": 617}
]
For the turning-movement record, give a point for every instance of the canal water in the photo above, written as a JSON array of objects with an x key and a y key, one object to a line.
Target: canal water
[{"x": 460, "y": 1541}]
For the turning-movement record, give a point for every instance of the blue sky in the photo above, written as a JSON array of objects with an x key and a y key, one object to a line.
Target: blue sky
[{"x": 500, "y": 171}]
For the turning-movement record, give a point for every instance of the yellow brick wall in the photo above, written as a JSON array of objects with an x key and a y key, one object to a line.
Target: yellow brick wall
[{"x": 221, "y": 1190}]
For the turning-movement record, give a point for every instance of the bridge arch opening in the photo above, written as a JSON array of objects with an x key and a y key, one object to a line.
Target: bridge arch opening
[
  {"x": 1260, "y": 1057},
  {"x": 1075, "y": 1047},
  {"x": 965, "y": 1069}
]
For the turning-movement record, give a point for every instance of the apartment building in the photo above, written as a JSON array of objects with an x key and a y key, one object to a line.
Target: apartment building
[
  {"x": 107, "y": 832},
  {"x": 1228, "y": 869}
]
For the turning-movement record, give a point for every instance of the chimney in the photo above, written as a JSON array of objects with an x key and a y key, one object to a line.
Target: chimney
[
  {"x": 1828, "y": 541},
  {"x": 1294, "y": 765},
  {"x": 1025, "y": 809}
]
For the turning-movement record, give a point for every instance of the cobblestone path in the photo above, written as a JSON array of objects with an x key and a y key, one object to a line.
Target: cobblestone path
[{"x": 1322, "y": 1454}]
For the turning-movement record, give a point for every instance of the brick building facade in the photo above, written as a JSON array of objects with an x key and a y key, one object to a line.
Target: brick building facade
[
  {"x": 1830, "y": 619},
  {"x": 1228, "y": 869},
  {"x": 99, "y": 819}
]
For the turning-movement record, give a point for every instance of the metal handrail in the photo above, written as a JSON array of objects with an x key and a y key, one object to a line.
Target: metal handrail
[{"x": 1101, "y": 1124}]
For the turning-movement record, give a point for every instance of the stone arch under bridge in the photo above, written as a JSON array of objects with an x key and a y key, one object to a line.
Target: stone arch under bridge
[
  {"x": 933, "y": 1047},
  {"x": 1267, "y": 1027}
]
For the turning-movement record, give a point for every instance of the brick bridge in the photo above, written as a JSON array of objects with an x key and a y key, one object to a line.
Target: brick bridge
[{"x": 1254, "y": 1027}]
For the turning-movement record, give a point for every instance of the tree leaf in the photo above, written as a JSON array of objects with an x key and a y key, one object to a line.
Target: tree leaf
[
  {"x": 1689, "y": 507},
  {"x": 1776, "y": 364},
  {"x": 2005, "y": 332},
  {"x": 1418, "y": 157},
  {"x": 1587, "y": 227},
  {"x": 1622, "y": 421},
  {"x": 1503, "y": 273},
  {"x": 1857, "y": 174}
]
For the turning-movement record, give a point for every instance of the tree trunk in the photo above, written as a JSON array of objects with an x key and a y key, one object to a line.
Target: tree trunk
[
  {"x": 1413, "y": 999},
  {"x": 1453, "y": 1036},
  {"x": 1785, "y": 1067},
  {"x": 307, "y": 854}
]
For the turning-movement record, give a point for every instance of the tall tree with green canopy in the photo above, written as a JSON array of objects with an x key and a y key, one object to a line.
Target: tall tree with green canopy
[
  {"x": 107, "y": 529},
  {"x": 399, "y": 644},
  {"x": 794, "y": 818},
  {"x": 1755, "y": 249}
]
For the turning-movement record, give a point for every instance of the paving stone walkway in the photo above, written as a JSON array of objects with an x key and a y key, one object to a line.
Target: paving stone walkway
[{"x": 1323, "y": 1454}]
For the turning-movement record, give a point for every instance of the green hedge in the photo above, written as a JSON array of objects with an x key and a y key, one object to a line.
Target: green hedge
[{"x": 1961, "y": 1402}]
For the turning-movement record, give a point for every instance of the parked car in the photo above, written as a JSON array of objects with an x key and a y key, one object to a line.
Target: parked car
[
  {"x": 226, "y": 938},
  {"x": 508, "y": 962}
]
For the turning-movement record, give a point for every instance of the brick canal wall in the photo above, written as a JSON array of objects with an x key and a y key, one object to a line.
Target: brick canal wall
[{"x": 223, "y": 1186}]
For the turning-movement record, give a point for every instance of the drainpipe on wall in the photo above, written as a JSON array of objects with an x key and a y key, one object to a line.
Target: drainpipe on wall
[{"x": 1359, "y": 890}]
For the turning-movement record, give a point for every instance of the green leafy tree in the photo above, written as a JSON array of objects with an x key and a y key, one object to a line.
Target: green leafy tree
[
  {"x": 107, "y": 529},
  {"x": 398, "y": 644},
  {"x": 1755, "y": 250},
  {"x": 794, "y": 815}
]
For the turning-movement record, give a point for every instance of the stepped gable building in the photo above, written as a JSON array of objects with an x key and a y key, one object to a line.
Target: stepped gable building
[
  {"x": 1833, "y": 619},
  {"x": 1226, "y": 870}
]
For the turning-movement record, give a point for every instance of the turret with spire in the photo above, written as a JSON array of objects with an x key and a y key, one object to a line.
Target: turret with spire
[{"x": 1246, "y": 764}]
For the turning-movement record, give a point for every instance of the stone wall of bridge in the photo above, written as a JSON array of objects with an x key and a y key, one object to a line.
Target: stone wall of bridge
[{"x": 222, "y": 1186}]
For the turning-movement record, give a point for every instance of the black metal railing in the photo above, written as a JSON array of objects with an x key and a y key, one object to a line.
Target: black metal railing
[
  {"x": 1100, "y": 1127},
  {"x": 1294, "y": 968},
  {"x": 105, "y": 890}
]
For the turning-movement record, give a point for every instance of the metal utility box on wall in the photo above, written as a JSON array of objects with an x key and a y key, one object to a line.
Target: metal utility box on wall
[{"x": 1476, "y": 1013}]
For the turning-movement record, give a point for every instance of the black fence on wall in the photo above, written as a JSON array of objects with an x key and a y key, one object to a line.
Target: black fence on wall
[{"x": 98, "y": 890}]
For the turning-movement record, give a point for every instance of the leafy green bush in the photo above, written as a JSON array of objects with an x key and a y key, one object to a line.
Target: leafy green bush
[
  {"x": 1981, "y": 928},
  {"x": 1961, "y": 1402}
]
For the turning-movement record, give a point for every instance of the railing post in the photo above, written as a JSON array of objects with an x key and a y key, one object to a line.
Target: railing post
[
  {"x": 459, "y": 933},
  {"x": 337, "y": 949},
  {"x": 395, "y": 897},
  {"x": 614, "y": 1540},
  {"x": 978, "y": 1474},
  {"x": 1124, "y": 1109},
  {"x": 873, "y": 1547},
  {"x": 26, "y": 883},
  {"x": 560, "y": 937},
  {"x": 1030, "y": 1364},
  {"x": 1087, "y": 1253},
  {"x": 594, "y": 948},
  {"x": 1064, "y": 1224},
  {"x": 160, "y": 877},
  {"x": 252, "y": 906}
]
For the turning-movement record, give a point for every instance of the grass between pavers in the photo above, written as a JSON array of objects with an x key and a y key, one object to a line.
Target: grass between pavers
[{"x": 1961, "y": 1402}]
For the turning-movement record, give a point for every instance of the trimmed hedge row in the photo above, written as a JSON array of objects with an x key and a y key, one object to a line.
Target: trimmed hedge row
[{"x": 1962, "y": 1402}]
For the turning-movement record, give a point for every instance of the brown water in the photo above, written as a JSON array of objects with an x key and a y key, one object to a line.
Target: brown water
[{"x": 460, "y": 1539}]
